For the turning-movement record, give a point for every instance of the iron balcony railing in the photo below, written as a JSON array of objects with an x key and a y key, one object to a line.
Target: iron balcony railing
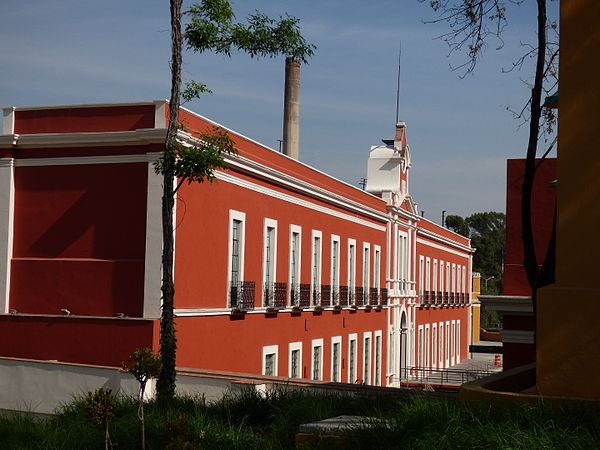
[
  {"x": 242, "y": 295},
  {"x": 373, "y": 296},
  {"x": 383, "y": 295},
  {"x": 335, "y": 295},
  {"x": 315, "y": 296},
  {"x": 294, "y": 295},
  {"x": 325, "y": 295},
  {"x": 304, "y": 295},
  {"x": 359, "y": 298},
  {"x": 344, "y": 296},
  {"x": 440, "y": 298},
  {"x": 351, "y": 296}
]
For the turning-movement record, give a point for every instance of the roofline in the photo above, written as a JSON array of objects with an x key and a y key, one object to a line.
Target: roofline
[{"x": 82, "y": 105}]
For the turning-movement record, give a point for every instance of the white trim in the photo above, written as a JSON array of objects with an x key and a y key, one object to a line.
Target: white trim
[
  {"x": 270, "y": 350},
  {"x": 160, "y": 114},
  {"x": 441, "y": 345},
  {"x": 458, "y": 341},
  {"x": 351, "y": 280},
  {"x": 86, "y": 105},
  {"x": 421, "y": 346},
  {"x": 367, "y": 377},
  {"x": 427, "y": 344},
  {"x": 463, "y": 252},
  {"x": 153, "y": 255},
  {"x": 453, "y": 343},
  {"x": 518, "y": 336},
  {"x": 85, "y": 160},
  {"x": 8, "y": 120},
  {"x": 291, "y": 347},
  {"x": 316, "y": 234},
  {"x": 447, "y": 344},
  {"x": 352, "y": 357},
  {"x": 336, "y": 340},
  {"x": 268, "y": 223},
  {"x": 366, "y": 284},
  {"x": 378, "y": 365},
  {"x": 229, "y": 178},
  {"x": 377, "y": 265},
  {"x": 97, "y": 139},
  {"x": 315, "y": 344},
  {"x": 7, "y": 214},
  {"x": 241, "y": 216},
  {"x": 335, "y": 287},
  {"x": 295, "y": 229},
  {"x": 434, "y": 346}
]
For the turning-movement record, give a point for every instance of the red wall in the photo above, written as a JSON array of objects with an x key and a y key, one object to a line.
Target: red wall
[
  {"x": 543, "y": 206},
  {"x": 76, "y": 120},
  {"x": 79, "y": 239},
  {"x": 106, "y": 342},
  {"x": 233, "y": 344}
]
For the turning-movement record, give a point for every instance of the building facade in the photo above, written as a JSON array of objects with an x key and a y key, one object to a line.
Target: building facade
[{"x": 280, "y": 269}]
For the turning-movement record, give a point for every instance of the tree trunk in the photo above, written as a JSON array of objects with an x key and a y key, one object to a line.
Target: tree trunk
[
  {"x": 530, "y": 262},
  {"x": 166, "y": 381}
]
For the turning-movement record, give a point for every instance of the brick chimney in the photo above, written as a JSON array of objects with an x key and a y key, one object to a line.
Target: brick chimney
[{"x": 291, "y": 109}]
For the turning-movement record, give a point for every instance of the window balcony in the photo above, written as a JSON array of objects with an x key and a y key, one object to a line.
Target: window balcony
[
  {"x": 242, "y": 295},
  {"x": 304, "y": 301},
  {"x": 335, "y": 296},
  {"x": 275, "y": 295},
  {"x": 373, "y": 296},
  {"x": 344, "y": 296},
  {"x": 359, "y": 298},
  {"x": 325, "y": 295},
  {"x": 294, "y": 295},
  {"x": 440, "y": 298},
  {"x": 383, "y": 296}
]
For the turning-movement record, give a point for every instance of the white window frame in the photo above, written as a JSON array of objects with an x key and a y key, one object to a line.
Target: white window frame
[
  {"x": 335, "y": 271},
  {"x": 366, "y": 283},
  {"x": 421, "y": 277},
  {"x": 428, "y": 274},
  {"x": 241, "y": 217},
  {"x": 269, "y": 224},
  {"x": 442, "y": 278},
  {"x": 316, "y": 234},
  {"x": 352, "y": 359},
  {"x": 434, "y": 273},
  {"x": 447, "y": 343},
  {"x": 336, "y": 340},
  {"x": 458, "y": 341},
  {"x": 376, "y": 267},
  {"x": 434, "y": 346},
  {"x": 453, "y": 343},
  {"x": 270, "y": 350},
  {"x": 367, "y": 357},
  {"x": 377, "y": 361},
  {"x": 441, "y": 345},
  {"x": 316, "y": 343},
  {"x": 421, "y": 345},
  {"x": 295, "y": 229},
  {"x": 351, "y": 267},
  {"x": 295, "y": 346},
  {"x": 453, "y": 277},
  {"x": 427, "y": 346}
]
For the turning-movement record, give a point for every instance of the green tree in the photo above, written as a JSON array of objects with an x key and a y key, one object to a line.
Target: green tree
[
  {"x": 487, "y": 233},
  {"x": 211, "y": 28}
]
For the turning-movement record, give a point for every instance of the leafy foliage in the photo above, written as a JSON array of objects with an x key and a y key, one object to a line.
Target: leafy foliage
[
  {"x": 212, "y": 27},
  {"x": 100, "y": 409},
  {"x": 487, "y": 233},
  {"x": 143, "y": 364}
]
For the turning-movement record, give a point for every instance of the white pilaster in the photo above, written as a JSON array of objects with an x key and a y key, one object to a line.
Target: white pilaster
[
  {"x": 7, "y": 202},
  {"x": 160, "y": 116},
  {"x": 8, "y": 120},
  {"x": 153, "y": 257}
]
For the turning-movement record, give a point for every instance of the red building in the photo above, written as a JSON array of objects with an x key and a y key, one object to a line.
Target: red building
[
  {"x": 280, "y": 269},
  {"x": 515, "y": 305}
]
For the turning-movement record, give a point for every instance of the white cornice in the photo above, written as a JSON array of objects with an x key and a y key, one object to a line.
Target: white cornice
[
  {"x": 84, "y": 160},
  {"x": 513, "y": 304},
  {"x": 245, "y": 165},
  {"x": 444, "y": 240},
  {"x": 100, "y": 139},
  {"x": 84, "y": 105}
]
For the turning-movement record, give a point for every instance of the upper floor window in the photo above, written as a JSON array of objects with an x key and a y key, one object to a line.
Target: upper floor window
[
  {"x": 335, "y": 266},
  {"x": 366, "y": 267},
  {"x": 295, "y": 261},
  {"x": 316, "y": 266}
]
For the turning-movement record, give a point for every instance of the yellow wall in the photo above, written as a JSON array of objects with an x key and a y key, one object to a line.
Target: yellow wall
[
  {"x": 568, "y": 311},
  {"x": 475, "y": 308}
]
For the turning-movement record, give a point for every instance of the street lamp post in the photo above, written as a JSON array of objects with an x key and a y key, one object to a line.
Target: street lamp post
[{"x": 486, "y": 281}]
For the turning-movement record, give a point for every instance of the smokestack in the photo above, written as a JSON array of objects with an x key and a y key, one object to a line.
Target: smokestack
[{"x": 291, "y": 109}]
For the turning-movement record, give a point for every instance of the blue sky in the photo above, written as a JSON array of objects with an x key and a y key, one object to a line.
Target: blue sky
[{"x": 460, "y": 133}]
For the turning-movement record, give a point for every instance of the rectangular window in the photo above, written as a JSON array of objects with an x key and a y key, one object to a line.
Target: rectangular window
[
  {"x": 378, "y": 350},
  {"x": 458, "y": 341},
  {"x": 336, "y": 359},
  {"x": 421, "y": 278},
  {"x": 447, "y": 345},
  {"x": 351, "y": 270},
  {"x": 235, "y": 271},
  {"x": 270, "y": 360},
  {"x": 435, "y": 283},
  {"x": 377, "y": 267},
  {"x": 335, "y": 268},
  {"x": 352, "y": 354},
  {"x": 295, "y": 360},
  {"x": 402, "y": 260},
  {"x": 295, "y": 254},
  {"x": 428, "y": 274},
  {"x": 448, "y": 277},
  {"x": 316, "y": 267},
  {"x": 367, "y": 358},
  {"x": 269, "y": 260},
  {"x": 317, "y": 359},
  {"x": 452, "y": 343},
  {"x": 441, "y": 277},
  {"x": 421, "y": 348},
  {"x": 434, "y": 343},
  {"x": 366, "y": 268},
  {"x": 427, "y": 336}
]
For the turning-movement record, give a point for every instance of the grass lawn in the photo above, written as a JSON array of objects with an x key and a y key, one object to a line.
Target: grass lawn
[{"x": 249, "y": 421}]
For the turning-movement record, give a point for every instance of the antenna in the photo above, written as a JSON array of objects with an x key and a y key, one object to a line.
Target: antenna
[{"x": 398, "y": 86}]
